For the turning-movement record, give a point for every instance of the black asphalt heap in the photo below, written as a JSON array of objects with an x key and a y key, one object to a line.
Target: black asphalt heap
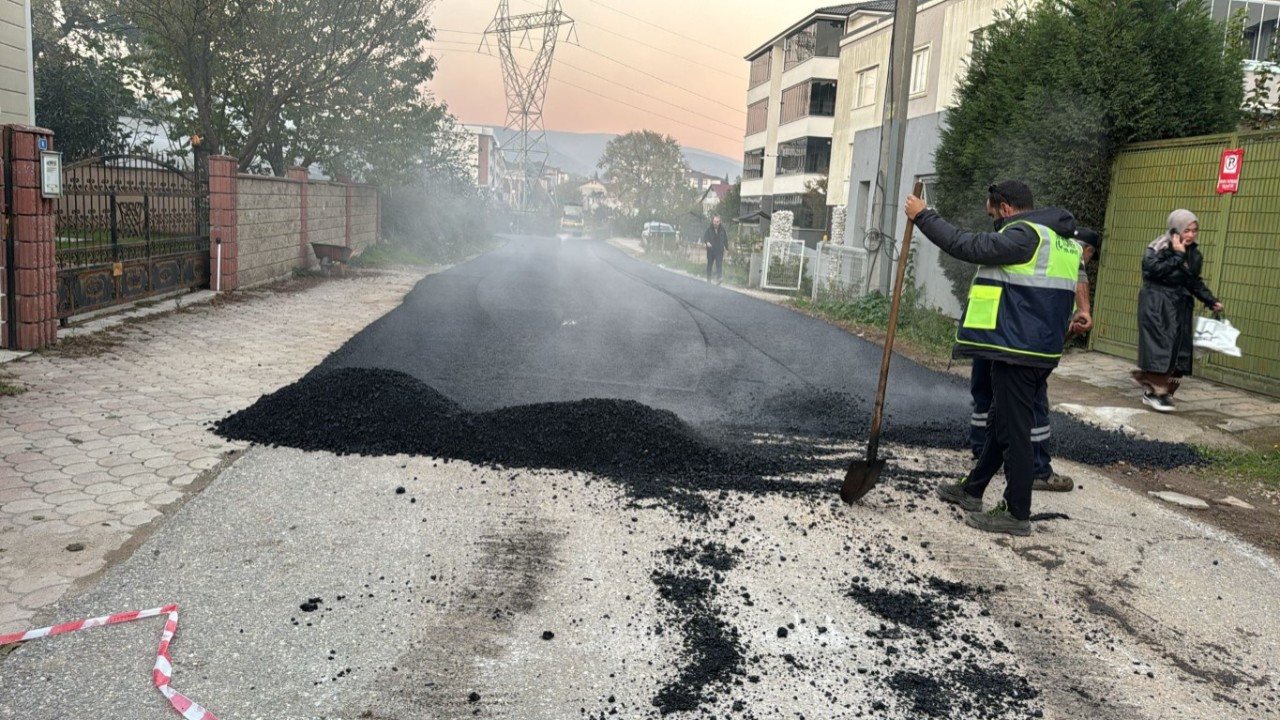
[{"x": 544, "y": 345}]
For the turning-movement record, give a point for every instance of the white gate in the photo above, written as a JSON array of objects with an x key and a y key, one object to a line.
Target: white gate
[
  {"x": 783, "y": 264},
  {"x": 839, "y": 272}
]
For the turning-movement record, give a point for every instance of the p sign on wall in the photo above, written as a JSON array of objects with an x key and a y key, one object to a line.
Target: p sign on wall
[{"x": 1229, "y": 171}]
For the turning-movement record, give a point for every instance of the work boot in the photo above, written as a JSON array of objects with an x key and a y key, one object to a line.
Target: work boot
[
  {"x": 1054, "y": 483},
  {"x": 998, "y": 520},
  {"x": 954, "y": 493}
]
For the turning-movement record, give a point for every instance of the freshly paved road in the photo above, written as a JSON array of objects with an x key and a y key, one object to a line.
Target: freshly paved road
[
  {"x": 1127, "y": 610},
  {"x": 543, "y": 320}
]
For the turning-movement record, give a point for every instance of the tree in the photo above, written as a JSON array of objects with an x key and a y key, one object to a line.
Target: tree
[
  {"x": 814, "y": 215},
  {"x": 730, "y": 207},
  {"x": 1053, "y": 92},
  {"x": 647, "y": 172},
  {"x": 79, "y": 91},
  {"x": 334, "y": 82}
]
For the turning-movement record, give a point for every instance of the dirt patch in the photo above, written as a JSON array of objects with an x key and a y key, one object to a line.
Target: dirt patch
[{"x": 1260, "y": 526}]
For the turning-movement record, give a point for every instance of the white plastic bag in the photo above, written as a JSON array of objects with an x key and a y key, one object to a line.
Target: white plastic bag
[{"x": 1216, "y": 335}]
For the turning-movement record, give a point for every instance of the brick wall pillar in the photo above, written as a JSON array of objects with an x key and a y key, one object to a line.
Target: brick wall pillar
[
  {"x": 32, "y": 222},
  {"x": 223, "y": 206},
  {"x": 304, "y": 236}
]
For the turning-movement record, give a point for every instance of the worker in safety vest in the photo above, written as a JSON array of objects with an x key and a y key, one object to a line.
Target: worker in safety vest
[
  {"x": 1021, "y": 305},
  {"x": 1045, "y": 477}
]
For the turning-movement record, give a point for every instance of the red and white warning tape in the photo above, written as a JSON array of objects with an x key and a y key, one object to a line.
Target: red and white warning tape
[{"x": 163, "y": 672}]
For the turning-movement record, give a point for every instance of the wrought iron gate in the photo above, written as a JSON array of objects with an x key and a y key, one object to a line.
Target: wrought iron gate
[{"x": 129, "y": 226}]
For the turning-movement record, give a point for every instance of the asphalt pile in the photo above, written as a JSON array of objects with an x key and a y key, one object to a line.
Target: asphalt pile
[{"x": 652, "y": 453}]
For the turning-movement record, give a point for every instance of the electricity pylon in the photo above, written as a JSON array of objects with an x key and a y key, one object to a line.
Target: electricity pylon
[{"x": 526, "y": 152}]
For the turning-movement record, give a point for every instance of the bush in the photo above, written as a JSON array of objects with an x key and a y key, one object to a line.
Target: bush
[
  {"x": 437, "y": 220},
  {"x": 1054, "y": 91}
]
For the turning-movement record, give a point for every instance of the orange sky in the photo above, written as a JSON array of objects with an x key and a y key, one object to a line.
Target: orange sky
[{"x": 709, "y": 113}]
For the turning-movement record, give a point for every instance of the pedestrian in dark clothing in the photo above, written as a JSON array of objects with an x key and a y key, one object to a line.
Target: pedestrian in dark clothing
[
  {"x": 1171, "y": 284},
  {"x": 1044, "y": 477},
  {"x": 1020, "y": 307},
  {"x": 717, "y": 241}
]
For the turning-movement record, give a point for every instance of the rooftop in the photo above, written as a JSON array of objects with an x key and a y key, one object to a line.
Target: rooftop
[{"x": 831, "y": 12}]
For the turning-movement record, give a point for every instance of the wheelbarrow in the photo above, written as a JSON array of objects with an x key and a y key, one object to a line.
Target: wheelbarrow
[{"x": 330, "y": 255}]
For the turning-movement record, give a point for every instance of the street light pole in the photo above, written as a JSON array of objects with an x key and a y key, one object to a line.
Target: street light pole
[{"x": 893, "y": 134}]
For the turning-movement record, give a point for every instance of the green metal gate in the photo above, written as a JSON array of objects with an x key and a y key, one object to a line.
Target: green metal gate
[{"x": 1239, "y": 237}]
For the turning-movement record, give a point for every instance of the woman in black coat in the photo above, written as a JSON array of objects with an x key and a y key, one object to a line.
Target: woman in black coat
[{"x": 1171, "y": 283}]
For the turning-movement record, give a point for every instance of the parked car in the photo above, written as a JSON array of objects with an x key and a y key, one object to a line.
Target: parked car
[{"x": 656, "y": 233}]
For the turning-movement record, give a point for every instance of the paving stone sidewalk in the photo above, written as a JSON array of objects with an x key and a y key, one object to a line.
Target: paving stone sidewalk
[
  {"x": 1207, "y": 403},
  {"x": 98, "y": 446}
]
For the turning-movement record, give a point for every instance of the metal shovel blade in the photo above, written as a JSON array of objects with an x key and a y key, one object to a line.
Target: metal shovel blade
[{"x": 859, "y": 479}]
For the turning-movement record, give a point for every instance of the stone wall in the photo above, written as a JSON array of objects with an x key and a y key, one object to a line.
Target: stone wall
[
  {"x": 327, "y": 213},
  {"x": 269, "y": 227},
  {"x": 364, "y": 216}
]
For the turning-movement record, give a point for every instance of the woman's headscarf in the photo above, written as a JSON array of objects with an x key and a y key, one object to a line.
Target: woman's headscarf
[{"x": 1179, "y": 220}]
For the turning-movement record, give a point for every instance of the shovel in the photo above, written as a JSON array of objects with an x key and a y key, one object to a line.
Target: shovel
[{"x": 862, "y": 476}]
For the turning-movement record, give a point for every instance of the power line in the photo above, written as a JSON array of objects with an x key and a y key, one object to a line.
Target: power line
[
  {"x": 736, "y": 76},
  {"x": 666, "y": 29},
  {"x": 663, "y": 100},
  {"x": 700, "y": 94},
  {"x": 654, "y": 97},
  {"x": 645, "y": 110}
]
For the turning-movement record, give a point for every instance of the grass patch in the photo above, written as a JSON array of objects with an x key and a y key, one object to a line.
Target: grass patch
[
  {"x": 693, "y": 260},
  {"x": 9, "y": 388},
  {"x": 1261, "y": 466},
  {"x": 89, "y": 345},
  {"x": 928, "y": 330}
]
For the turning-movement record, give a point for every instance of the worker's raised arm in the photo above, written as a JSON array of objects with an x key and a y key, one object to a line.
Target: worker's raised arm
[{"x": 1012, "y": 246}]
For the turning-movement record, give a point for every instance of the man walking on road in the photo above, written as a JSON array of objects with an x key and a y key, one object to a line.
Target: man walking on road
[
  {"x": 1021, "y": 305},
  {"x": 1044, "y": 477},
  {"x": 717, "y": 241}
]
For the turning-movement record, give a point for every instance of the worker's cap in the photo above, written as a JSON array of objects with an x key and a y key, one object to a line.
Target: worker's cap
[
  {"x": 1089, "y": 237},
  {"x": 1013, "y": 192}
]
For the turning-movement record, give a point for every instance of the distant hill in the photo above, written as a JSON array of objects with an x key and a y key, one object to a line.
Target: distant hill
[{"x": 578, "y": 153}]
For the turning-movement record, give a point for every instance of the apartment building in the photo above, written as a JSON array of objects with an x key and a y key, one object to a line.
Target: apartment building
[
  {"x": 484, "y": 157},
  {"x": 791, "y": 114},
  {"x": 17, "y": 91},
  {"x": 946, "y": 31}
]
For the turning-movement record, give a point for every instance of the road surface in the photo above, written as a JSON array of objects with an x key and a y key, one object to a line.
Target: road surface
[{"x": 321, "y": 585}]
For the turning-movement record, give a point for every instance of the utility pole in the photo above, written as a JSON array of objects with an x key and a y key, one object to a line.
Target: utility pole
[
  {"x": 893, "y": 135},
  {"x": 525, "y": 152}
]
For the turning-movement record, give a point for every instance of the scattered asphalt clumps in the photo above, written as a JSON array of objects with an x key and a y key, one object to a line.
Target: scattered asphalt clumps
[
  {"x": 973, "y": 691},
  {"x": 712, "y": 652},
  {"x": 822, "y": 412}
]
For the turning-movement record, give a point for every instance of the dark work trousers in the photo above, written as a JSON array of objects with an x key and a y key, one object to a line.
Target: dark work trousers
[
  {"x": 1014, "y": 389},
  {"x": 716, "y": 260},
  {"x": 980, "y": 389}
]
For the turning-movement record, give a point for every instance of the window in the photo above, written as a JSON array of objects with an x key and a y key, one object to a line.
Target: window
[
  {"x": 795, "y": 103},
  {"x": 753, "y": 164},
  {"x": 807, "y": 215},
  {"x": 760, "y": 68},
  {"x": 750, "y": 206},
  {"x": 920, "y": 71},
  {"x": 822, "y": 98},
  {"x": 818, "y": 39},
  {"x": 928, "y": 181},
  {"x": 815, "y": 97},
  {"x": 804, "y": 156},
  {"x": 1260, "y": 20},
  {"x": 867, "y": 86},
  {"x": 758, "y": 117}
]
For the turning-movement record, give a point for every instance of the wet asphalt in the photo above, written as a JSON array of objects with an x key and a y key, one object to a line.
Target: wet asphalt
[{"x": 546, "y": 320}]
